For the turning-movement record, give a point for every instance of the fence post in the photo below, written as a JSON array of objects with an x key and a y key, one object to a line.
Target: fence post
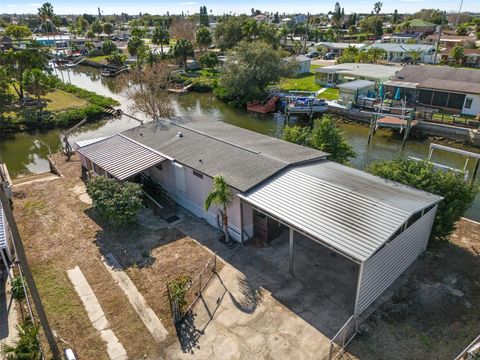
[{"x": 200, "y": 284}]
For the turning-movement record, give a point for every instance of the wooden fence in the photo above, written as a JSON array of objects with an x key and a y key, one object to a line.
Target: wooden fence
[{"x": 194, "y": 290}]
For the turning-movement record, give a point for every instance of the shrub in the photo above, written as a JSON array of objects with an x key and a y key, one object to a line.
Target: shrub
[
  {"x": 116, "y": 202},
  {"x": 26, "y": 347},
  {"x": 457, "y": 194},
  {"x": 17, "y": 288},
  {"x": 324, "y": 136},
  {"x": 178, "y": 290}
]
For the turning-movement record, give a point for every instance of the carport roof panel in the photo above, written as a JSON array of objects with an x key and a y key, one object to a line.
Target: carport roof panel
[
  {"x": 347, "y": 209},
  {"x": 120, "y": 157},
  {"x": 3, "y": 228}
]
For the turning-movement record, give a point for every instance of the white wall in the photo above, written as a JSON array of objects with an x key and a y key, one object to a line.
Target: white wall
[
  {"x": 193, "y": 199},
  {"x": 475, "y": 108},
  {"x": 384, "y": 267}
]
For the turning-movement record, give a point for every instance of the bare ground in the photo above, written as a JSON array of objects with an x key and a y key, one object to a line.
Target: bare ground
[
  {"x": 60, "y": 232},
  {"x": 434, "y": 312}
]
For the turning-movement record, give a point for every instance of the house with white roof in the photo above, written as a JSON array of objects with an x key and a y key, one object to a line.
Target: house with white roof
[{"x": 402, "y": 52}]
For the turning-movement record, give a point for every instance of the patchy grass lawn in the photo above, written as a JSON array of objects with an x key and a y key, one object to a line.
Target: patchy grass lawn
[
  {"x": 99, "y": 59},
  {"x": 60, "y": 232},
  {"x": 60, "y": 100},
  {"x": 330, "y": 94},
  {"x": 435, "y": 307},
  {"x": 304, "y": 82}
]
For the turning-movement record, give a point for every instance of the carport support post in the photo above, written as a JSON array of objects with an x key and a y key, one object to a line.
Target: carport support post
[
  {"x": 357, "y": 296},
  {"x": 241, "y": 222},
  {"x": 290, "y": 253}
]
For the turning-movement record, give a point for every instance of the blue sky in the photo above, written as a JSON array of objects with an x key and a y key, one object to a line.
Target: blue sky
[{"x": 219, "y": 6}]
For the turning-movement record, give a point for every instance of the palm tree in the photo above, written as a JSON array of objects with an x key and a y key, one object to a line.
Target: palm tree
[
  {"x": 203, "y": 37},
  {"x": 182, "y": 50},
  {"x": 160, "y": 36},
  {"x": 376, "y": 54},
  {"x": 362, "y": 57},
  {"x": 221, "y": 195},
  {"x": 45, "y": 13},
  {"x": 26, "y": 347},
  {"x": 457, "y": 53},
  {"x": 415, "y": 55},
  {"x": 36, "y": 83}
]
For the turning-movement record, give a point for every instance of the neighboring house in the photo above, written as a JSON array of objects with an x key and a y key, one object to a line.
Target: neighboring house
[
  {"x": 419, "y": 25},
  {"x": 471, "y": 57},
  {"x": 6, "y": 242},
  {"x": 302, "y": 64},
  {"x": 449, "y": 41},
  {"x": 402, "y": 38},
  {"x": 400, "y": 52},
  {"x": 442, "y": 87},
  {"x": 352, "y": 91},
  {"x": 337, "y": 74},
  {"x": 379, "y": 227},
  {"x": 337, "y": 48}
]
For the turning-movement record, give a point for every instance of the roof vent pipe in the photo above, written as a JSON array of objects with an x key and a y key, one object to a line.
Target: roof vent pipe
[{"x": 179, "y": 134}]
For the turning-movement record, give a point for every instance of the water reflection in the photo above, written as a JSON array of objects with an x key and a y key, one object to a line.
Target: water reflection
[{"x": 22, "y": 156}]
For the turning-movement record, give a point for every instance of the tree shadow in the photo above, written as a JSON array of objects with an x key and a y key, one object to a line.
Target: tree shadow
[
  {"x": 250, "y": 297},
  {"x": 132, "y": 245}
]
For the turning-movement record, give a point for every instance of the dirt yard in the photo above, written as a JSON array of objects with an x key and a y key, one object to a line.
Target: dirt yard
[
  {"x": 60, "y": 231},
  {"x": 435, "y": 310}
]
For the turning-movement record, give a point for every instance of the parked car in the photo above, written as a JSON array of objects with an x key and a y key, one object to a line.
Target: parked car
[
  {"x": 407, "y": 60},
  {"x": 312, "y": 55},
  {"x": 329, "y": 56}
]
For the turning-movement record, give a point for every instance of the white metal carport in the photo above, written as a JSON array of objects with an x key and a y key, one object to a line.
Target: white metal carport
[
  {"x": 119, "y": 156},
  {"x": 382, "y": 226}
]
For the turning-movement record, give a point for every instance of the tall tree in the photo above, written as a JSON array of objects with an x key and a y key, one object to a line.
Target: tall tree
[
  {"x": 16, "y": 63},
  {"x": 36, "y": 82},
  {"x": 395, "y": 17},
  {"x": 134, "y": 45},
  {"x": 203, "y": 17},
  {"x": 46, "y": 14},
  {"x": 337, "y": 15},
  {"x": 377, "y": 7},
  {"x": 457, "y": 54},
  {"x": 182, "y": 50},
  {"x": 203, "y": 38},
  {"x": 108, "y": 28},
  {"x": 97, "y": 27},
  {"x": 18, "y": 31},
  {"x": 160, "y": 36},
  {"x": 220, "y": 195}
]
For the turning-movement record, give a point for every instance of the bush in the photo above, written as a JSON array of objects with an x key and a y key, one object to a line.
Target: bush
[
  {"x": 27, "y": 346},
  {"x": 457, "y": 194},
  {"x": 17, "y": 288},
  {"x": 178, "y": 290},
  {"x": 324, "y": 136},
  {"x": 209, "y": 60},
  {"x": 116, "y": 202}
]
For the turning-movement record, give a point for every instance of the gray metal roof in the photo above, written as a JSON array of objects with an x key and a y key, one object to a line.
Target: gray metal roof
[
  {"x": 245, "y": 158},
  {"x": 374, "y": 71},
  {"x": 120, "y": 157},
  {"x": 347, "y": 209},
  {"x": 3, "y": 228},
  {"x": 356, "y": 84},
  {"x": 421, "y": 73}
]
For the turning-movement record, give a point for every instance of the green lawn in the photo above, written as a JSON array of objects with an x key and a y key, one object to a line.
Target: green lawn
[
  {"x": 60, "y": 100},
  {"x": 99, "y": 59},
  {"x": 330, "y": 94},
  {"x": 305, "y": 82}
]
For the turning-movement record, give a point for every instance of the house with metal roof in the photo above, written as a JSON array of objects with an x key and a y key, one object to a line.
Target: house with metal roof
[
  {"x": 441, "y": 87},
  {"x": 378, "y": 226},
  {"x": 341, "y": 73},
  {"x": 6, "y": 244}
]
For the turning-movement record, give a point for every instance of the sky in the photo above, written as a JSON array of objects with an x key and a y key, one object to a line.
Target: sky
[{"x": 226, "y": 6}]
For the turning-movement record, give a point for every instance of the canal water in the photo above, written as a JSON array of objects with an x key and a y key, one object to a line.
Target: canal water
[{"x": 24, "y": 155}]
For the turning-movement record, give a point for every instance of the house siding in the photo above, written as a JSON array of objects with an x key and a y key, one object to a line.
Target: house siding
[
  {"x": 474, "y": 108},
  {"x": 383, "y": 268}
]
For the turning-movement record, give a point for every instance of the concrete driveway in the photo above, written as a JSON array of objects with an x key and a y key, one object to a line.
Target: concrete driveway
[{"x": 255, "y": 309}]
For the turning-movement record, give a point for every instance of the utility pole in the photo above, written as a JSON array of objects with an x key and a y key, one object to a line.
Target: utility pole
[
  {"x": 459, "y": 11},
  {"x": 22, "y": 259},
  {"x": 438, "y": 39}
]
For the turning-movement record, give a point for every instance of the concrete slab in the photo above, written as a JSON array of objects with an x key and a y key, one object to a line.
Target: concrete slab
[
  {"x": 8, "y": 314},
  {"x": 147, "y": 315},
  {"x": 95, "y": 313}
]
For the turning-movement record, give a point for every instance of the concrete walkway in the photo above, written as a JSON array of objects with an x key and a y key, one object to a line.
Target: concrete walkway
[
  {"x": 95, "y": 313},
  {"x": 8, "y": 314},
  {"x": 145, "y": 312}
]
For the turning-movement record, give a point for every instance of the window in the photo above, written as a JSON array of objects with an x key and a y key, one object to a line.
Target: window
[
  {"x": 197, "y": 174},
  {"x": 468, "y": 103},
  {"x": 98, "y": 170}
]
